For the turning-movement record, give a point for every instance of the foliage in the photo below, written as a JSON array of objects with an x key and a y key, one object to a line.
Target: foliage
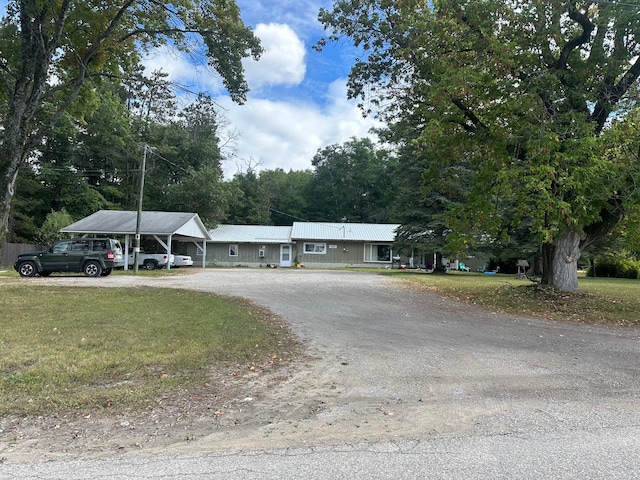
[
  {"x": 184, "y": 163},
  {"x": 55, "y": 56},
  {"x": 287, "y": 195},
  {"x": 271, "y": 197},
  {"x": 49, "y": 233},
  {"x": 619, "y": 266},
  {"x": 352, "y": 182},
  {"x": 249, "y": 207},
  {"x": 520, "y": 95},
  {"x": 93, "y": 165}
]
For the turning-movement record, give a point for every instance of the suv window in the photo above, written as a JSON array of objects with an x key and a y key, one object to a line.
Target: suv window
[
  {"x": 80, "y": 245},
  {"x": 61, "y": 247}
]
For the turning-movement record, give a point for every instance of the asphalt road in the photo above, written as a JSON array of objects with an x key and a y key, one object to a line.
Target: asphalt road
[{"x": 409, "y": 385}]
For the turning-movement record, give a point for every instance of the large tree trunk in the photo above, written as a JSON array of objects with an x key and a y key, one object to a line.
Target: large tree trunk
[
  {"x": 7, "y": 190},
  {"x": 565, "y": 262},
  {"x": 11, "y": 158},
  {"x": 546, "y": 263},
  {"x": 560, "y": 259}
]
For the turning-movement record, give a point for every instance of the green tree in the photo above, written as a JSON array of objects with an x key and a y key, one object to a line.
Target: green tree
[
  {"x": 84, "y": 166},
  {"x": 352, "y": 182},
  {"x": 50, "y": 231},
  {"x": 521, "y": 92},
  {"x": 248, "y": 206},
  {"x": 78, "y": 43},
  {"x": 286, "y": 194},
  {"x": 419, "y": 207},
  {"x": 185, "y": 170}
]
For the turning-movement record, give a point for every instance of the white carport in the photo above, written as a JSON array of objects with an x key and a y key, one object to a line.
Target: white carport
[{"x": 163, "y": 226}]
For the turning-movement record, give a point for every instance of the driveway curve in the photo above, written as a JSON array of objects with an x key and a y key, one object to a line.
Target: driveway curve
[{"x": 393, "y": 362}]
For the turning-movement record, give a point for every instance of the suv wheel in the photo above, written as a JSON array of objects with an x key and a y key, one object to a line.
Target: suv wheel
[
  {"x": 106, "y": 272},
  {"x": 27, "y": 269},
  {"x": 92, "y": 269}
]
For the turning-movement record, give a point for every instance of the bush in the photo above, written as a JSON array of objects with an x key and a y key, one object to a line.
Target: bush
[{"x": 615, "y": 267}]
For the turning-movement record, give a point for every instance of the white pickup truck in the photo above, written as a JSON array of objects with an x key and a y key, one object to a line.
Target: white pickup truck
[{"x": 150, "y": 261}]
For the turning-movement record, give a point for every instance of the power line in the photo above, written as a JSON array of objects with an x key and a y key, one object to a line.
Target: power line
[{"x": 287, "y": 214}]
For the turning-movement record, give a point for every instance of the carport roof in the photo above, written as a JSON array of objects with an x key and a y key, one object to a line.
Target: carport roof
[{"x": 115, "y": 222}]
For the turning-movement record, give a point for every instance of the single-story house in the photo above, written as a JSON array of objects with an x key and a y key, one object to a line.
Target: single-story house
[
  {"x": 312, "y": 244},
  {"x": 175, "y": 232}
]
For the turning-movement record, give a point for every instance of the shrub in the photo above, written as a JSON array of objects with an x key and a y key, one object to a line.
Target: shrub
[{"x": 615, "y": 267}]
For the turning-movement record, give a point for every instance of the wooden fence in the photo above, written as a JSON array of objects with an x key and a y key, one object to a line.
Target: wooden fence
[{"x": 12, "y": 250}]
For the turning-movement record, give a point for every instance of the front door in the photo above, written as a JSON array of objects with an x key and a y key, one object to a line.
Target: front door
[
  {"x": 285, "y": 255},
  {"x": 56, "y": 259}
]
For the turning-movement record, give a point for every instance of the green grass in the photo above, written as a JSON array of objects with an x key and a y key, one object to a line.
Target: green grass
[
  {"x": 613, "y": 301},
  {"x": 67, "y": 348}
]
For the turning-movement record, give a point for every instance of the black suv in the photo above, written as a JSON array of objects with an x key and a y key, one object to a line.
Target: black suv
[{"x": 94, "y": 257}]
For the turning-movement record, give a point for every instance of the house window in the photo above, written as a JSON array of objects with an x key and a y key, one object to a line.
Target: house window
[
  {"x": 316, "y": 248},
  {"x": 233, "y": 250},
  {"x": 377, "y": 253}
]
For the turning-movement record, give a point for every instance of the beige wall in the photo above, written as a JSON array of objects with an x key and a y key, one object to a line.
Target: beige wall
[
  {"x": 344, "y": 254},
  {"x": 338, "y": 253},
  {"x": 248, "y": 255}
]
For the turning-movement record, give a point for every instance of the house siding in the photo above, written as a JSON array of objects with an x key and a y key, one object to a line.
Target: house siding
[
  {"x": 346, "y": 254},
  {"x": 248, "y": 255},
  {"x": 344, "y": 244}
]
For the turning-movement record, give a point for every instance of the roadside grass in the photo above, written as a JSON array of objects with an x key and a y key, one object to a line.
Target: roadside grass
[
  {"x": 612, "y": 301},
  {"x": 74, "y": 348}
]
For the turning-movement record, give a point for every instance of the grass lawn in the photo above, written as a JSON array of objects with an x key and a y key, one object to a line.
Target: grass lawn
[
  {"x": 67, "y": 348},
  {"x": 613, "y": 301}
]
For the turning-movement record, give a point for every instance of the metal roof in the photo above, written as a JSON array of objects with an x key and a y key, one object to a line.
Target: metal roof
[
  {"x": 114, "y": 222},
  {"x": 356, "y": 232},
  {"x": 250, "y": 234}
]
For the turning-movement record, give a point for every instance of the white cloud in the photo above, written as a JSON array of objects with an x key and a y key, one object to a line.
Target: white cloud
[
  {"x": 282, "y": 63},
  {"x": 283, "y": 134},
  {"x": 190, "y": 73},
  {"x": 283, "y": 60}
]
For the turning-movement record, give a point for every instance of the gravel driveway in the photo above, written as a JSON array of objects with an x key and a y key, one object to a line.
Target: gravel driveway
[{"x": 391, "y": 364}]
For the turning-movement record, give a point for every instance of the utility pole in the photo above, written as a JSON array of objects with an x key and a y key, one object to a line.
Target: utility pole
[{"x": 136, "y": 247}]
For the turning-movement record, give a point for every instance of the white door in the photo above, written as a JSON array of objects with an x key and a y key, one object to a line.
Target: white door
[{"x": 285, "y": 255}]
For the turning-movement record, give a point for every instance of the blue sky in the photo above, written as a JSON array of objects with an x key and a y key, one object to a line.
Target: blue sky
[{"x": 297, "y": 102}]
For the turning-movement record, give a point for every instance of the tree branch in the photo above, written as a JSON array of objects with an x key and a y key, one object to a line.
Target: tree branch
[
  {"x": 610, "y": 216},
  {"x": 587, "y": 28},
  {"x": 613, "y": 94},
  {"x": 466, "y": 111}
]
